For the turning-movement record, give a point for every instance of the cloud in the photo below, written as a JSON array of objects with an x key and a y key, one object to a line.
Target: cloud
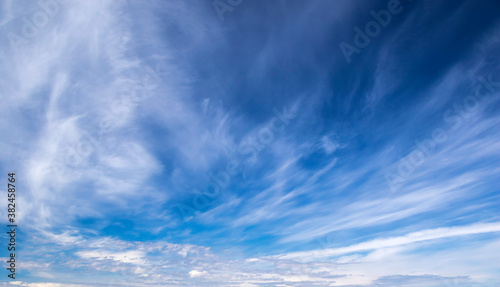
[
  {"x": 196, "y": 273},
  {"x": 431, "y": 234},
  {"x": 131, "y": 256},
  {"x": 117, "y": 111}
]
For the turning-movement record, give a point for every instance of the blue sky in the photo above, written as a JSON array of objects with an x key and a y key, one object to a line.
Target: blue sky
[{"x": 240, "y": 143}]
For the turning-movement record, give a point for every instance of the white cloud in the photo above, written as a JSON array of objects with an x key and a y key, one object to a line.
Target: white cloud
[
  {"x": 131, "y": 256},
  {"x": 430, "y": 234},
  {"x": 196, "y": 273}
]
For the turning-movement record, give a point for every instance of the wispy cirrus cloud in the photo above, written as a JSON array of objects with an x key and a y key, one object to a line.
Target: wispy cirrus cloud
[{"x": 117, "y": 112}]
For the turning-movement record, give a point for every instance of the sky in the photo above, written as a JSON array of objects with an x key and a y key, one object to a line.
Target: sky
[{"x": 251, "y": 143}]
